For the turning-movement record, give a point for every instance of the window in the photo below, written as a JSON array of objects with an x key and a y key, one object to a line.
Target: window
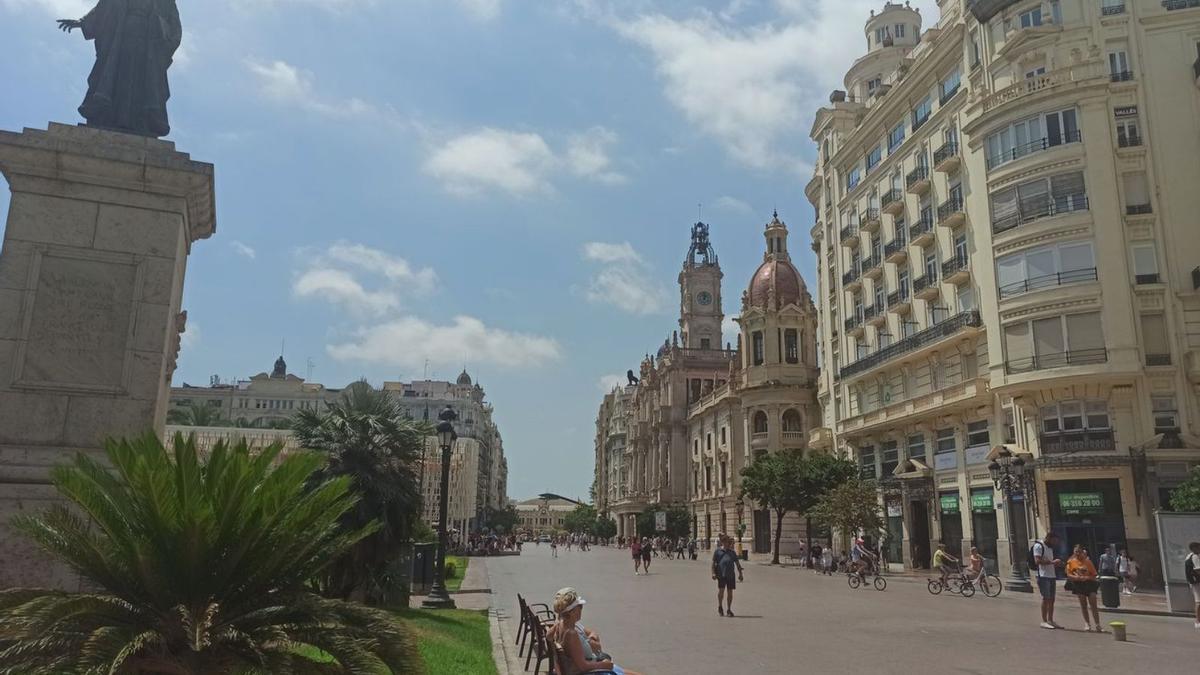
[
  {"x": 1031, "y": 18},
  {"x": 1010, "y": 426},
  {"x": 944, "y": 442},
  {"x": 708, "y": 479},
  {"x": 874, "y": 84},
  {"x": 1035, "y": 73},
  {"x": 896, "y": 137},
  {"x": 724, "y": 475},
  {"x": 760, "y": 422},
  {"x": 866, "y": 462},
  {"x": 722, "y": 435},
  {"x": 853, "y": 178},
  {"x": 1074, "y": 416},
  {"x": 974, "y": 47},
  {"x": 1145, "y": 263},
  {"x": 1038, "y": 198},
  {"x": 977, "y": 434},
  {"x": 1033, "y": 134},
  {"x": 1128, "y": 135},
  {"x": 931, "y": 265},
  {"x": 708, "y": 441},
  {"x": 881, "y": 34},
  {"x": 1118, "y": 65},
  {"x": 949, "y": 86},
  {"x": 874, "y": 157},
  {"x": 960, "y": 247},
  {"x": 1054, "y": 342},
  {"x": 1166, "y": 414},
  {"x": 966, "y": 299},
  {"x": 1154, "y": 340},
  {"x": 891, "y": 458},
  {"x": 902, "y": 282},
  {"x": 792, "y": 423},
  {"x": 1137, "y": 194},
  {"x": 1045, "y": 267},
  {"x": 898, "y": 30},
  {"x": 921, "y": 113},
  {"x": 791, "y": 342},
  {"x": 759, "y": 348},
  {"x": 916, "y": 447}
]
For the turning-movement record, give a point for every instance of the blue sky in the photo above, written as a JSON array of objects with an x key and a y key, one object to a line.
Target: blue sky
[{"x": 502, "y": 184}]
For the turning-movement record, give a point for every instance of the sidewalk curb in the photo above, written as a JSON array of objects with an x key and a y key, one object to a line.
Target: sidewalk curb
[
  {"x": 500, "y": 652},
  {"x": 1145, "y": 612}
]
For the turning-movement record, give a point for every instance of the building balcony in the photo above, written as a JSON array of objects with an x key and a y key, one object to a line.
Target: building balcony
[
  {"x": 936, "y": 333},
  {"x": 1036, "y": 209},
  {"x": 920, "y": 233},
  {"x": 945, "y": 98},
  {"x": 1129, "y": 141},
  {"x": 957, "y": 270},
  {"x": 852, "y": 280},
  {"x": 1030, "y": 148},
  {"x": 872, "y": 268},
  {"x": 927, "y": 287},
  {"x": 946, "y": 158},
  {"x": 854, "y": 326},
  {"x": 1047, "y": 281},
  {"x": 1091, "y": 440},
  {"x": 917, "y": 182},
  {"x": 1078, "y": 357},
  {"x": 950, "y": 212},
  {"x": 1172, "y": 5},
  {"x": 1158, "y": 359},
  {"x": 871, "y": 220},
  {"x": 900, "y": 301},
  {"x": 892, "y": 201},
  {"x": 1138, "y": 209},
  {"x": 897, "y": 413},
  {"x": 849, "y": 235},
  {"x": 896, "y": 250},
  {"x": 1121, "y": 76},
  {"x": 1112, "y": 10},
  {"x": 1147, "y": 279},
  {"x": 876, "y": 315}
]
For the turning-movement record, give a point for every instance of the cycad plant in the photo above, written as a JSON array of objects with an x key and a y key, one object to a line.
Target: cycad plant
[
  {"x": 202, "y": 566},
  {"x": 193, "y": 415},
  {"x": 365, "y": 438}
]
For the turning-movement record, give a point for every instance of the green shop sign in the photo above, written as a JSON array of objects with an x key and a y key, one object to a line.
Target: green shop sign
[
  {"x": 1080, "y": 503},
  {"x": 982, "y": 501},
  {"x": 949, "y": 503}
]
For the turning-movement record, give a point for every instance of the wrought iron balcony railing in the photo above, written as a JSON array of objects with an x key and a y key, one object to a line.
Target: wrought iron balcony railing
[
  {"x": 914, "y": 342},
  {"x": 1047, "y": 281},
  {"x": 1036, "y": 209},
  {"x": 1078, "y": 357},
  {"x": 1090, "y": 440},
  {"x": 949, "y": 149},
  {"x": 1030, "y": 148},
  {"x": 916, "y": 176}
]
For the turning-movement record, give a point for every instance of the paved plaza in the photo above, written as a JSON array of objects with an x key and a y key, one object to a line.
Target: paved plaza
[{"x": 791, "y": 620}]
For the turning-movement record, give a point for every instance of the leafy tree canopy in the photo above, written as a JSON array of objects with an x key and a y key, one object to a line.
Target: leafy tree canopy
[
  {"x": 679, "y": 521},
  {"x": 1186, "y": 497},
  {"x": 851, "y": 507}
]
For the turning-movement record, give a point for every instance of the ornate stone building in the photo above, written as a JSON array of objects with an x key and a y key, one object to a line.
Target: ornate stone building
[
  {"x": 1006, "y": 257},
  {"x": 700, "y": 414}
]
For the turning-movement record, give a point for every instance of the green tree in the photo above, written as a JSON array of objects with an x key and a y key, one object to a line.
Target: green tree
[
  {"x": 1186, "y": 497},
  {"x": 363, "y": 436},
  {"x": 679, "y": 521},
  {"x": 581, "y": 520},
  {"x": 605, "y": 528},
  {"x": 851, "y": 507},
  {"x": 422, "y": 533},
  {"x": 503, "y": 521},
  {"x": 819, "y": 473},
  {"x": 193, "y": 415},
  {"x": 770, "y": 480},
  {"x": 200, "y": 565}
]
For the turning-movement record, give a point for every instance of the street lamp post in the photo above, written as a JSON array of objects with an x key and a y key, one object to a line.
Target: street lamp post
[
  {"x": 1011, "y": 476},
  {"x": 438, "y": 598}
]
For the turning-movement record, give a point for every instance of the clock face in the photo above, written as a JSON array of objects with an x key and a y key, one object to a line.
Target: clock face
[{"x": 704, "y": 298}]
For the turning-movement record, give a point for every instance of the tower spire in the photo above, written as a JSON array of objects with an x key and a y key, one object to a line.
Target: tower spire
[{"x": 701, "y": 253}]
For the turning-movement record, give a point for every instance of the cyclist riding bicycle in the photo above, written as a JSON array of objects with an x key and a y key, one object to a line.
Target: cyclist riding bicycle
[
  {"x": 861, "y": 559},
  {"x": 942, "y": 561}
]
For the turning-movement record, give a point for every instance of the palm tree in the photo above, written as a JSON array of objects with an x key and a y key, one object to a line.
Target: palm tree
[
  {"x": 193, "y": 415},
  {"x": 366, "y": 438},
  {"x": 202, "y": 567}
]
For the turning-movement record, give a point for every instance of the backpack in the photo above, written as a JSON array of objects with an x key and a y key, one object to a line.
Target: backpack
[
  {"x": 1032, "y": 558},
  {"x": 1190, "y": 572}
]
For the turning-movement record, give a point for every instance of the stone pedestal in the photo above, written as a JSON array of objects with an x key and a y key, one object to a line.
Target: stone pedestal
[{"x": 99, "y": 229}]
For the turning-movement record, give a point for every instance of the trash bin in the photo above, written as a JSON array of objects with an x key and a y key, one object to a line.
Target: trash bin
[
  {"x": 1110, "y": 592},
  {"x": 745, "y": 554}
]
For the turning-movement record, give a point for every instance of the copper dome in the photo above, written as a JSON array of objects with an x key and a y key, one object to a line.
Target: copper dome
[{"x": 778, "y": 276}]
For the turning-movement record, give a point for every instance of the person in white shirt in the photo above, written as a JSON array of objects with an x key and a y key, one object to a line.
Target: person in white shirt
[
  {"x": 1191, "y": 568},
  {"x": 1047, "y": 576},
  {"x": 1123, "y": 571}
]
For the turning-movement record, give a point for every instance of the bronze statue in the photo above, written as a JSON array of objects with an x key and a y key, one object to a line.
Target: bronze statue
[
  {"x": 135, "y": 44},
  {"x": 633, "y": 380}
]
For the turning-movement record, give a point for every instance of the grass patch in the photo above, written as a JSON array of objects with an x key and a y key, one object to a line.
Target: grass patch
[
  {"x": 460, "y": 572},
  {"x": 450, "y": 641}
]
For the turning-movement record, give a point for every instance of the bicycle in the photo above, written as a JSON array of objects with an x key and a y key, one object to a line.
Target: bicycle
[
  {"x": 857, "y": 579},
  {"x": 958, "y": 583},
  {"x": 990, "y": 584}
]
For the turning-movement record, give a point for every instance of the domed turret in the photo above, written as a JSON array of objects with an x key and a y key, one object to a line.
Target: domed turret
[
  {"x": 776, "y": 283},
  {"x": 464, "y": 380}
]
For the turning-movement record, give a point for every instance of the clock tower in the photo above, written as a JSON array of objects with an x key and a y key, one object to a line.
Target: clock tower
[{"x": 700, "y": 314}]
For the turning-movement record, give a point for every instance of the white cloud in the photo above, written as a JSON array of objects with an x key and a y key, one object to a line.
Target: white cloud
[
  {"x": 190, "y": 337},
  {"x": 243, "y": 249},
  {"x": 520, "y": 163},
  {"x": 587, "y": 155},
  {"x": 61, "y": 9},
  {"x": 482, "y": 10},
  {"x": 285, "y": 83},
  {"x": 407, "y": 342},
  {"x": 599, "y": 251},
  {"x": 754, "y": 88},
  {"x": 730, "y": 329},
  {"x": 609, "y": 382},
  {"x": 623, "y": 281},
  {"x": 514, "y": 162},
  {"x": 733, "y": 205},
  {"x": 337, "y": 275}
]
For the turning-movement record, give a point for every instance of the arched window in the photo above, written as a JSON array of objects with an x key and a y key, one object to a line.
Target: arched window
[
  {"x": 759, "y": 348},
  {"x": 760, "y": 422},
  {"x": 792, "y": 422},
  {"x": 791, "y": 346}
]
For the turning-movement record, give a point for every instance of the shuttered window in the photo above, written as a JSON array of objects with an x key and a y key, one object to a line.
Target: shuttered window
[
  {"x": 1016, "y": 342},
  {"x": 1154, "y": 334},
  {"x": 1034, "y": 199},
  {"x": 1004, "y": 209},
  {"x": 1085, "y": 332}
]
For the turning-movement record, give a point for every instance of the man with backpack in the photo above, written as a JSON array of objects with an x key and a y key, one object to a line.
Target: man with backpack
[
  {"x": 1042, "y": 560},
  {"x": 1191, "y": 570},
  {"x": 725, "y": 565}
]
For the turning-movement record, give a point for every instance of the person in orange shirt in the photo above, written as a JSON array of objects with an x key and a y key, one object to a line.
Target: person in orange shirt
[{"x": 1082, "y": 575}]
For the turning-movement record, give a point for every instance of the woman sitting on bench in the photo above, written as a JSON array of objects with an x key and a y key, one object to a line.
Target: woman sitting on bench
[{"x": 578, "y": 649}]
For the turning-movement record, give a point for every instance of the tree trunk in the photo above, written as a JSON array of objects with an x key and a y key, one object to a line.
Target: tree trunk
[
  {"x": 808, "y": 535},
  {"x": 778, "y": 535}
]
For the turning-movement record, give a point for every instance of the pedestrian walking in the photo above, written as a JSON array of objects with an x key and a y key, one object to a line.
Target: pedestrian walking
[
  {"x": 1191, "y": 570},
  {"x": 726, "y": 571},
  {"x": 635, "y": 548},
  {"x": 554, "y": 547},
  {"x": 1108, "y": 562},
  {"x": 827, "y": 561},
  {"x": 1081, "y": 580},
  {"x": 1123, "y": 571},
  {"x": 1043, "y": 560},
  {"x": 647, "y": 553}
]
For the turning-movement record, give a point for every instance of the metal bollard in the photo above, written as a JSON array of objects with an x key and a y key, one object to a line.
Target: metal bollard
[{"x": 1118, "y": 630}]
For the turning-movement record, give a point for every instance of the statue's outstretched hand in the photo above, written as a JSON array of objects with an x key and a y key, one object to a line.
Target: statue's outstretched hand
[{"x": 68, "y": 25}]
